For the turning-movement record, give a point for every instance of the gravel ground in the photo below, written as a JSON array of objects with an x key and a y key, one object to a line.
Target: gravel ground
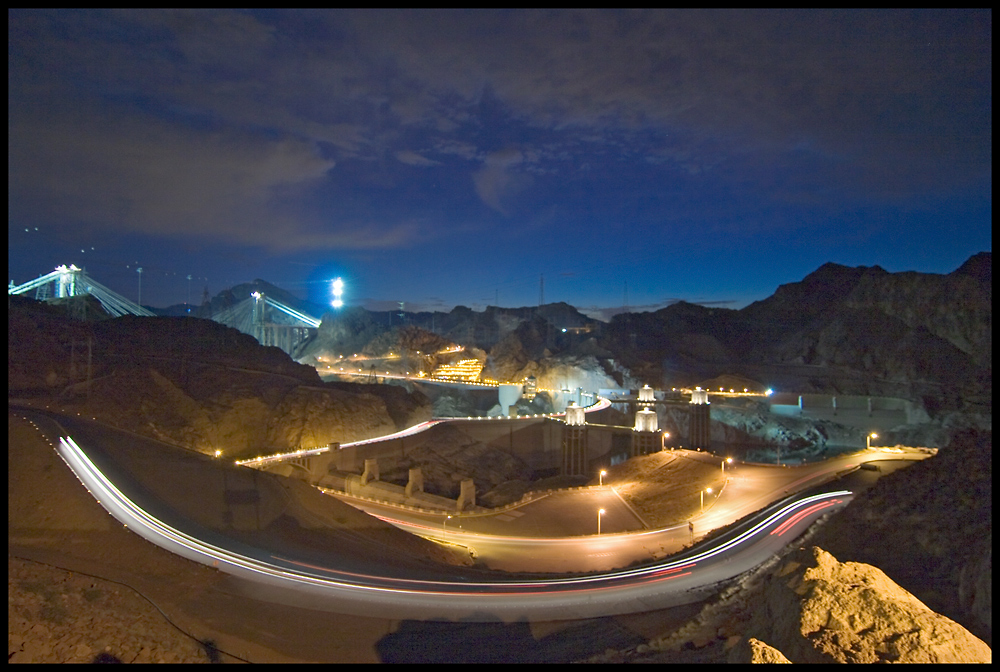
[{"x": 55, "y": 616}]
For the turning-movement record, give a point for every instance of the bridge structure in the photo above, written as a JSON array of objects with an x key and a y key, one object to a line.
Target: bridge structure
[
  {"x": 69, "y": 281},
  {"x": 270, "y": 321}
]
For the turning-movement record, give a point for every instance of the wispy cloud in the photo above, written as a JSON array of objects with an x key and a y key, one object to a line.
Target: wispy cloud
[
  {"x": 413, "y": 159},
  {"x": 498, "y": 182}
]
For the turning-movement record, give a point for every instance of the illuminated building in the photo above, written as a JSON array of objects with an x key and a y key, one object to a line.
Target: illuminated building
[
  {"x": 646, "y": 437},
  {"x": 464, "y": 370},
  {"x": 530, "y": 388},
  {"x": 574, "y": 443},
  {"x": 699, "y": 435}
]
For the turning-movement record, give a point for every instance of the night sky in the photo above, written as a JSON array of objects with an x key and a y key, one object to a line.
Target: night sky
[{"x": 444, "y": 158}]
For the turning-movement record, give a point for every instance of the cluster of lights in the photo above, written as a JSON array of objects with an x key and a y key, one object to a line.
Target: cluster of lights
[
  {"x": 464, "y": 370},
  {"x": 338, "y": 293},
  {"x": 731, "y": 393},
  {"x": 436, "y": 379}
]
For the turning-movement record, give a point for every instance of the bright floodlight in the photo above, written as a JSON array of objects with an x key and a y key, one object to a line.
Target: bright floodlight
[{"x": 338, "y": 292}]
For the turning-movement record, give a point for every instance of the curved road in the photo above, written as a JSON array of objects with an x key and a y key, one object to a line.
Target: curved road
[
  {"x": 675, "y": 581},
  {"x": 749, "y": 488}
]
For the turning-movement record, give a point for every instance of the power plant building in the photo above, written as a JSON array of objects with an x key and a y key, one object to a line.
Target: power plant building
[
  {"x": 699, "y": 434},
  {"x": 574, "y": 444},
  {"x": 646, "y": 437}
]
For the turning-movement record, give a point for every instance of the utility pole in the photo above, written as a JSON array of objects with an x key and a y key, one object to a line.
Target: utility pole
[{"x": 90, "y": 362}]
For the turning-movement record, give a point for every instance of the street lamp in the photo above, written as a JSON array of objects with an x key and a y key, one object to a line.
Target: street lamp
[
  {"x": 444, "y": 524},
  {"x": 728, "y": 460},
  {"x": 709, "y": 491},
  {"x": 868, "y": 439},
  {"x": 603, "y": 474},
  {"x": 600, "y": 512}
]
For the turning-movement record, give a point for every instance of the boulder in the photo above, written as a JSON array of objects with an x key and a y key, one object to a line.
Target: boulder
[
  {"x": 753, "y": 650},
  {"x": 818, "y": 610}
]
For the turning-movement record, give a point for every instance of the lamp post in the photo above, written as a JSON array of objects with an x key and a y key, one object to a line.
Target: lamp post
[
  {"x": 868, "y": 439},
  {"x": 709, "y": 491},
  {"x": 726, "y": 461},
  {"x": 444, "y": 524},
  {"x": 603, "y": 474},
  {"x": 600, "y": 512}
]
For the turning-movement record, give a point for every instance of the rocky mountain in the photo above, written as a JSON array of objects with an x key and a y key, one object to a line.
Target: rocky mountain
[
  {"x": 849, "y": 330},
  {"x": 924, "y": 337},
  {"x": 193, "y": 383}
]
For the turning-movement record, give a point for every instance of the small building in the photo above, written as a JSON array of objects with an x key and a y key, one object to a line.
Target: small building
[{"x": 530, "y": 388}]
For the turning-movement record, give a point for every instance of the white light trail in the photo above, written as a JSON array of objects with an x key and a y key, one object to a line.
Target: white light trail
[{"x": 503, "y": 597}]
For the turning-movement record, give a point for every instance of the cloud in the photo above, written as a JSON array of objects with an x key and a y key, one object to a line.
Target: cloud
[
  {"x": 496, "y": 183},
  {"x": 458, "y": 148},
  {"x": 890, "y": 104},
  {"x": 414, "y": 159},
  {"x": 145, "y": 176}
]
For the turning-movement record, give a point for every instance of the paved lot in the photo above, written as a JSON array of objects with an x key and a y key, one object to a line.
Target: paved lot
[{"x": 561, "y": 514}]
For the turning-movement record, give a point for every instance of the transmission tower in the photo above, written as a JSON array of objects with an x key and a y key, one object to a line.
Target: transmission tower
[{"x": 205, "y": 311}]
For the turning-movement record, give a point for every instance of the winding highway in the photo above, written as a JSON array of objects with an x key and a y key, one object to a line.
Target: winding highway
[{"x": 681, "y": 579}]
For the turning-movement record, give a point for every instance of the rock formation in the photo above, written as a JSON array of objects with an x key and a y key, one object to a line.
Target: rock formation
[
  {"x": 818, "y": 610},
  {"x": 752, "y": 650},
  {"x": 930, "y": 527},
  {"x": 193, "y": 383}
]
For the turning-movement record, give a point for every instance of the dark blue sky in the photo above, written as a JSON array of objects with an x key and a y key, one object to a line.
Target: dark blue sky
[{"x": 444, "y": 158}]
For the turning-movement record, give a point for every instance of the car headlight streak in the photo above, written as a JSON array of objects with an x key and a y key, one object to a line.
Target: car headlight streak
[{"x": 112, "y": 499}]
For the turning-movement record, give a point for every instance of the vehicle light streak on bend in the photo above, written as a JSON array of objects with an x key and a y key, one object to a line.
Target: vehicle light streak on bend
[
  {"x": 623, "y": 591},
  {"x": 599, "y": 405}
]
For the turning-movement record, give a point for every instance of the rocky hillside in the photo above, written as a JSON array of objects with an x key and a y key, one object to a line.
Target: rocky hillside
[
  {"x": 193, "y": 383},
  {"x": 818, "y": 610},
  {"x": 930, "y": 527},
  {"x": 848, "y": 330},
  {"x": 808, "y": 607}
]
